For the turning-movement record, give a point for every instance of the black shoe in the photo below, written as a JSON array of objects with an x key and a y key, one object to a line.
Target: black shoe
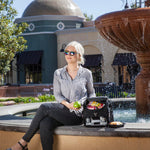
[{"x": 23, "y": 147}]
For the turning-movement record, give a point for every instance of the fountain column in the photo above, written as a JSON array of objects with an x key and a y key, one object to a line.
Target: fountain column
[
  {"x": 143, "y": 84},
  {"x": 130, "y": 30}
]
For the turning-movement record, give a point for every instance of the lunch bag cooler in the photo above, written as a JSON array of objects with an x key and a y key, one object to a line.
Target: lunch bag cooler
[{"x": 94, "y": 117}]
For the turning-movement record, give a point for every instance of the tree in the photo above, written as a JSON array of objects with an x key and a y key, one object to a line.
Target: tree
[
  {"x": 10, "y": 40},
  {"x": 134, "y": 5},
  {"x": 88, "y": 18}
]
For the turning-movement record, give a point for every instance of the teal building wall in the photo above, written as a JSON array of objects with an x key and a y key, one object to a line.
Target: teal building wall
[
  {"x": 40, "y": 35},
  {"x": 48, "y": 44}
]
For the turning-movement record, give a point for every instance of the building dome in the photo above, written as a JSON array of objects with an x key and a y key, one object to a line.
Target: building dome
[{"x": 52, "y": 7}]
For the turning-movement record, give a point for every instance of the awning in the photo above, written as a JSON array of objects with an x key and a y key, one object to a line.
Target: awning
[
  {"x": 29, "y": 57},
  {"x": 92, "y": 60},
  {"x": 124, "y": 59}
]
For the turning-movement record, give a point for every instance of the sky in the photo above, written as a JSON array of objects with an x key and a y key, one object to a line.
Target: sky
[{"x": 91, "y": 7}]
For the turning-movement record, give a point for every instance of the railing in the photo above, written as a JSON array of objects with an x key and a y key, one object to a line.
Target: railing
[{"x": 111, "y": 91}]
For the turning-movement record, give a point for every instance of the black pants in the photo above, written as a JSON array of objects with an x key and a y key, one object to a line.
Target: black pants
[{"x": 47, "y": 118}]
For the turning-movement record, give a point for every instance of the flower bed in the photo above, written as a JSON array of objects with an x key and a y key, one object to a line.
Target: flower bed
[{"x": 16, "y": 100}]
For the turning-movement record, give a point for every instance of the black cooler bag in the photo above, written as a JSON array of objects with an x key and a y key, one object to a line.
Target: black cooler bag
[{"x": 99, "y": 115}]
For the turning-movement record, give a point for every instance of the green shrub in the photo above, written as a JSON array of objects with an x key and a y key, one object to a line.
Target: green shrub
[
  {"x": 46, "y": 97},
  {"x": 1, "y": 105},
  {"x": 99, "y": 94},
  {"x": 125, "y": 94},
  {"x": 24, "y": 99},
  {"x": 41, "y": 98},
  {"x": 132, "y": 95},
  {"x": 113, "y": 95}
]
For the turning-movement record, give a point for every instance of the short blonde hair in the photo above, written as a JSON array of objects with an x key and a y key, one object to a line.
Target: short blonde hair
[{"x": 80, "y": 50}]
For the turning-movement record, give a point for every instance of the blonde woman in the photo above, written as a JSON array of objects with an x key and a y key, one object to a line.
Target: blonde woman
[{"x": 71, "y": 83}]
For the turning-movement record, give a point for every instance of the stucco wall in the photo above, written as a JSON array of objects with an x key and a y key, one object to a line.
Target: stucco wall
[
  {"x": 93, "y": 44},
  {"x": 63, "y": 142}
]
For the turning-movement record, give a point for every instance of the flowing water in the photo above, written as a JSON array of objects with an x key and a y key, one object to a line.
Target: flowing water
[{"x": 120, "y": 114}]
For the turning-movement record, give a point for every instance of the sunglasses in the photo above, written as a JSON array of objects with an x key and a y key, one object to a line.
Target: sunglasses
[{"x": 71, "y": 53}]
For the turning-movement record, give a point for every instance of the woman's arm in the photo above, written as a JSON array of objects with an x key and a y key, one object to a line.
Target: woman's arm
[
  {"x": 68, "y": 105},
  {"x": 90, "y": 88},
  {"x": 57, "y": 89},
  {"x": 82, "y": 100}
]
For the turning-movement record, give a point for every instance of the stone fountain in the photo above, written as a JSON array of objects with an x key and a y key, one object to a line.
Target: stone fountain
[{"x": 130, "y": 30}]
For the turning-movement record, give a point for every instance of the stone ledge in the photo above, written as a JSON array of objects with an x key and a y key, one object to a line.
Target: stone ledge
[
  {"x": 8, "y": 122},
  {"x": 17, "y": 124}
]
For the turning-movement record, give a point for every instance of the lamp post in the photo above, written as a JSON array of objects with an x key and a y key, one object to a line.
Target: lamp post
[
  {"x": 126, "y": 5},
  {"x": 63, "y": 47}
]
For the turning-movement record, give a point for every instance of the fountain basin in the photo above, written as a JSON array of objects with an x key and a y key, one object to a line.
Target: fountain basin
[
  {"x": 127, "y": 29},
  {"x": 134, "y": 136},
  {"x": 130, "y": 30}
]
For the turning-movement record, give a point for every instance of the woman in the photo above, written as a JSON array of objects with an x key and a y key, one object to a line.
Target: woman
[{"x": 71, "y": 83}]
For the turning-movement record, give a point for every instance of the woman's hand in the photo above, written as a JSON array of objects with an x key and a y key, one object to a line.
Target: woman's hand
[{"x": 69, "y": 105}]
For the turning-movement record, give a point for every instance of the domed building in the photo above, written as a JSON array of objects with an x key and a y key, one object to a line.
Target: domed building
[
  {"x": 39, "y": 61},
  {"x": 53, "y": 7}
]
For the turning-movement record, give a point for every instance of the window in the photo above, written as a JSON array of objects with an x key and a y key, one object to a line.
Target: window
[
  {"x": 31, "y": 62},
  {"x": 96, "y": 73},
  {"x": 33, "y": 73},
  {"x": 93, "y": 63}
]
